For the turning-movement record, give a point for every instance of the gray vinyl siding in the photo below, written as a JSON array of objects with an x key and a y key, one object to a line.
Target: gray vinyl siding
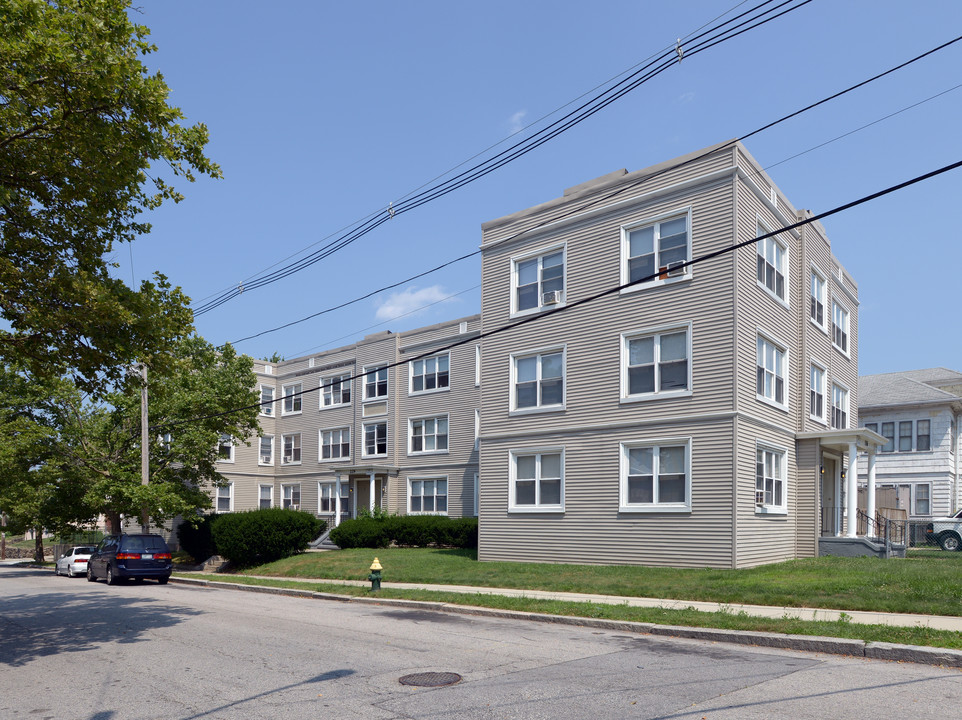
[
  {"x": 591, "y": 529},
  {"x": 807, "y": 494}
]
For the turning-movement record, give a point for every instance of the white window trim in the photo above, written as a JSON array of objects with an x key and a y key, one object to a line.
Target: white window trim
[
  {"x": 327, "y": 381},
  {"x": 517, "y": 259},
  {"x": 320, "y": 445},
  {"x": 623, "y": 504},
  {"x": 387, "y": 439},
  {"x": 784, "y": 301},
  {"x": 825, "y": 303},
  {"x": 412, "y": 391},
  {"x": 477, "y": 480},
  {"x": 512, "y": 478},
  {"x": 848, "y": 408},
  {"x": 333, "y": 486},
  {"x": 296, "y": 395},
  {"x": 265, "y": 485},
  {"x": 513, "y": 376},
  {"x": 759, "y": 333},
  {"x": 230, "y": 495},
  {"x": 773, "y": 509},
  {"x": 648, "y": 332},
  {"x": 826, "y": 398},
  {"x": 477, "y": 366},
  {"x": 299, "y": 494},
  {"x": 411, "y": 422},
  {"x": 268, "y": 410},
  {"x": 364, "y": 377},
  {"x": 626, "y": 230},
  {"x": 301, "y": 448},
  {"x": 228, "y": 460},
  {"x": 260, "y": 460},
  {"x": 477, "y": 430},
  {"x": 447, "y": 495},
  {"x": 848, "y": 328}
]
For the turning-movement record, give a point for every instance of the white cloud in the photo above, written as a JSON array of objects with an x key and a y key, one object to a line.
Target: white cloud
[
  {"x": 686, "y": 98},
  {"x": 411, "y": 301},
  {"x": 516, "y": 122}
]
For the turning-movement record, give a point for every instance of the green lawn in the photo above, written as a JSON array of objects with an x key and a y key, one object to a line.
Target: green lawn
[{"x": 929, "y": 581}]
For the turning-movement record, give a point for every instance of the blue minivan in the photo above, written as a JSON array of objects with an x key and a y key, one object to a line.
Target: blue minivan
[{"x": 130, "y": 556}]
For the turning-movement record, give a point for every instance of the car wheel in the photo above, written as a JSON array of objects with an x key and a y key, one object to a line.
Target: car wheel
[
  {"x": 90, "y": 574},
  {"x": 111, "y": 580},
  {"x": 163, "y": 581},
  {"x": 56, "y": 569},
  {"x": 950, "y": 541}
]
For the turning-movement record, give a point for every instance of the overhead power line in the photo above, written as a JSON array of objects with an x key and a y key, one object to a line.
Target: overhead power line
[
  {"x": 722, "y": 33},
  {"x": 675, "y": 166},
  {"x": 591, "y": 298}
]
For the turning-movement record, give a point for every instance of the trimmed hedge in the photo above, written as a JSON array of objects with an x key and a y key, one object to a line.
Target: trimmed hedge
[
  {"x": 406, "y": 530},
  {"x": 261, "y": 536},
  {"x": 195, "y": 537}
]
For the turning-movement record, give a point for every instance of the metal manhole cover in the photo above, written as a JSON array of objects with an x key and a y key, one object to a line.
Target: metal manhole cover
[{"x": 430, "y": 679}]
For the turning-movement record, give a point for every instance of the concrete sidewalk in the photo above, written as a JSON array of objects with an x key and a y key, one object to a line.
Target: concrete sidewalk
[{"x": 936, "y": 622}]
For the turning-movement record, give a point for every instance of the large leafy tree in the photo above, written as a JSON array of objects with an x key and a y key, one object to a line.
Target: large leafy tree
[
  {"x": 87, "y": 138},
  {"x": 192, "y": 404}
]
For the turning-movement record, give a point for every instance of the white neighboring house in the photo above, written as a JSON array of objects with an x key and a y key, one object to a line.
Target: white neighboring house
[{"x": 918, "y": 412}]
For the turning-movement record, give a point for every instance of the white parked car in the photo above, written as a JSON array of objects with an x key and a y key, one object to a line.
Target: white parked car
[
  {"x": 947, "y": 531},
  {"x": 74, "y": 561}
]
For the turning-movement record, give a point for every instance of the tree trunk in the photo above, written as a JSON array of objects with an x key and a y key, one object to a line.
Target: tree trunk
[
  {"x": 38, "y": 546},
  {"x": 112, "y": 521}
]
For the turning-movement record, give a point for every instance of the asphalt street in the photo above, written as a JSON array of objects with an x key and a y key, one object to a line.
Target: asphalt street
[{"x": 81, "y": 651}]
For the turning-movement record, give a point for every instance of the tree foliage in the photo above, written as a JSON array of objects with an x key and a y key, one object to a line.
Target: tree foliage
[{"x": 88, "y": 142}]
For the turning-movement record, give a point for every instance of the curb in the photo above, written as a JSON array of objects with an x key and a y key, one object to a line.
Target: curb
[{"x": 943, "y": 657}]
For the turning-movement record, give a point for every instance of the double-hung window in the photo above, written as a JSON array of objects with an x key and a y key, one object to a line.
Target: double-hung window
[
  {"x": 429, "y": 435},
  {"x": 771, "y": 371},
  {"x": 225, "y": 448},
  {"x": 428, "y": 495},
  {"x": 430, "y": 374},
  {"x": 840, "y": 327},
  {"x": 225, "y": 498},
  {"x": 770, "y": 490},
  {"x": 292, "y": 399},
  {"x": 265, "y": 453},
  {"x": 539, "y": 380},
  {"x": 656, "y": 364},
  {"x": 817, "y": 300},
  {"x": 291, "y": 496},
  {"x": 888, "y": 432},
  {"x": 816, "y": 405},
  {"x": 923, "y": 499},
  {"x": 375, "y": 439},
  {"x": 375, "y": 383},
  {"x": 923, "y": 436},
  {"x": 267, "y": 400},
  {"x": 656, "y": 250},
  {"x": 840, "y": 408},
  {"x": 335, "y": 391},
  {"x": 905, "y": 436},
  {"x": 292, "y": 449},
  {"x": 336, "y": 444},
  {"x": 265, "y": 496},
  {"x": 537, "y": 481},
  {"x": 539, "y": 281},
  {"x": 326, "y": 501},
  {"x": 655, "y": 476},
  {"x": 772, "y": 259}
]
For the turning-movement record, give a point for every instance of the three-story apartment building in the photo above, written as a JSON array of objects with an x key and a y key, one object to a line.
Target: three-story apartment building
[
  {"x": 389, "y": 422},
  {"x": 650, "y": 396}
]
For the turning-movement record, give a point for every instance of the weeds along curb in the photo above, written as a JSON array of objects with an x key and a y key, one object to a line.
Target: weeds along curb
[{"x": 943, "y": 657}]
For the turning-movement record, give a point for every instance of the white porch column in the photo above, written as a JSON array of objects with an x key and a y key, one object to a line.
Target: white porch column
[
  {"x": 337, "y": 499},
  {"x": 851, "y": 490},
  {"x": 870, "y": 502},
  {"x": 371, "y": 494}
]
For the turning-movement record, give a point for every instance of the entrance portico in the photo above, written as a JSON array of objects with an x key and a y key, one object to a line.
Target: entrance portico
[{"x": 360, "y": 487}]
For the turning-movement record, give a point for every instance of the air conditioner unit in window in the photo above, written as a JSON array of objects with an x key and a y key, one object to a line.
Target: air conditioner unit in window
[
  {"x": 295, "y": 507},
  {"x": 551, "y": 298},
  {"x": 287, "y": 458},
  {"x": 266, "y": 459},
  {"x": 673, "y": 269}
]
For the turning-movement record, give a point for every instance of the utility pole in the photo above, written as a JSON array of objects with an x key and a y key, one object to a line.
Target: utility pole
[{"x": 144, "y": 446}]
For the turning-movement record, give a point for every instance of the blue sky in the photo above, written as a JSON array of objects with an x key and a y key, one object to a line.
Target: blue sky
[{"x": 322, "y": 113}]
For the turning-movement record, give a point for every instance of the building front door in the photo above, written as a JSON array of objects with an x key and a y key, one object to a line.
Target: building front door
[{"x": 831, "y": 502}]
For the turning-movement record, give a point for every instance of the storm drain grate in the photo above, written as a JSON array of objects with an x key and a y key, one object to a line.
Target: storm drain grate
[{"x": 430, "y": 679}]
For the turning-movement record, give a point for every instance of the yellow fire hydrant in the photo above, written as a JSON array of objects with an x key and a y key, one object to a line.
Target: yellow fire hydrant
[{"x": 375, "y": 576}]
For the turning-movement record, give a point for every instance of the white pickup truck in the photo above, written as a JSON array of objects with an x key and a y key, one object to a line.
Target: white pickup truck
[{"x": 947, "y": 531}]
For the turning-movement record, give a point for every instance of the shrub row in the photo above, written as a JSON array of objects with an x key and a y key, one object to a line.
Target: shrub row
[
  {"x": 406, "y": 530},
  {"x": 252, "y": 537}
]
